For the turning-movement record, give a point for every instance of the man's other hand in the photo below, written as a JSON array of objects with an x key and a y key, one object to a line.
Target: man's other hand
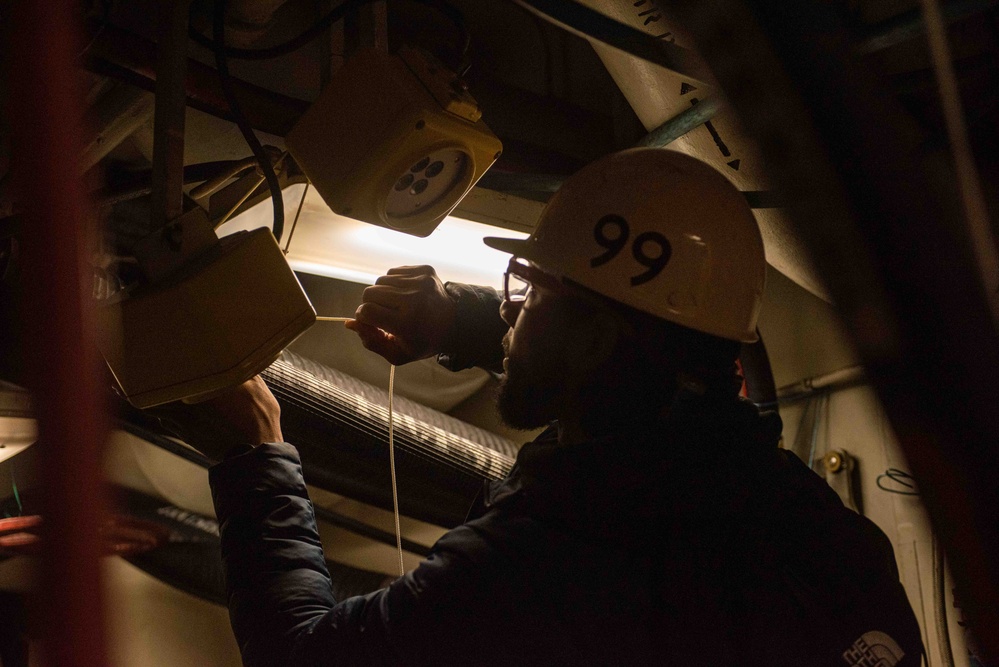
[
  {"x": 406, "y": 315},
  {"x": 247, "y": 414}
]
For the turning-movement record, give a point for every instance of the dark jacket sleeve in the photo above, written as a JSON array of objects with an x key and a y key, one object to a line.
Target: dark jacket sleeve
[
  {"x": 478, "y": 330},
  {"x": 279, "y": 593}
]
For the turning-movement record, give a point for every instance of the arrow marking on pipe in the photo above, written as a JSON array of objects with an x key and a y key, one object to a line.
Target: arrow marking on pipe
[
  {"x": 686, "y": 88},
  {"x": 714, "y": 135}
]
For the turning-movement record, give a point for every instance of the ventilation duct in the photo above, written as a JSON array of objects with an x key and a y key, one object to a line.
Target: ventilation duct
[{"x": 340, "y": 426}]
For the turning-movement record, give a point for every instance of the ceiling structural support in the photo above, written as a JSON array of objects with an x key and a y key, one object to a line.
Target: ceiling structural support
[
  {"x": 909, "y": 25},
  {"x": 589, "y": 24},
  {"x": 888, "y": 237},
  {"x": 120, "y": 54},
  {"x": 167, "y": 199},
  {"x": 114, "y": 117},
  {"x": 44, "y": 106}
]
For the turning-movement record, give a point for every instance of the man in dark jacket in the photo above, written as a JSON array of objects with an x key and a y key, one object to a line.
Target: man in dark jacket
[{"x": 654, "y": 522}]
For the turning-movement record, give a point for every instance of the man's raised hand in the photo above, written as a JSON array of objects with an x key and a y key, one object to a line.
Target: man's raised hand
[{"x": 406, "y": 315}]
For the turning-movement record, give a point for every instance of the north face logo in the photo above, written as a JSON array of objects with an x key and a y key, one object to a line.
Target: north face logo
[{"x": 874, "y": 649}]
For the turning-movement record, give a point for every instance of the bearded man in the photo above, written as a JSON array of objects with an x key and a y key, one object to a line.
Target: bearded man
[{"x": 655, "y": 521}]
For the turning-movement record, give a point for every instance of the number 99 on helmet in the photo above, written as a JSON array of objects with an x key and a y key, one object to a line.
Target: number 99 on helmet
[{"x": 659, "y": 231}]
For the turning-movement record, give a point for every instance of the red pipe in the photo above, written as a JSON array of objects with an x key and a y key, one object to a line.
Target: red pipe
[{"x": 45, "y": 105}]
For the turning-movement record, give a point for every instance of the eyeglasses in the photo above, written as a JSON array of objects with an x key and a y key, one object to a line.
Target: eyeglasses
[{"x": 520, "y": 278}]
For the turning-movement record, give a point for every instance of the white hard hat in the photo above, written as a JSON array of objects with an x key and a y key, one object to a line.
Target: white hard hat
[{"x": 658, "y": 231}]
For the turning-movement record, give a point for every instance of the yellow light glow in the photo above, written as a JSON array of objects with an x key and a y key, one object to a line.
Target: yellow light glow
[{"x": 328, "y": 244}]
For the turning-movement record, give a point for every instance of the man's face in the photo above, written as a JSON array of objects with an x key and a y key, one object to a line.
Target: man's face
[{"x": 536, "y": 360}]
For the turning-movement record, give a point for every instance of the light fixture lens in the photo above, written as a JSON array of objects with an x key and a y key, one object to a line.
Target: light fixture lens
[
  {"x": 432, "y": 179},
  {"x": 404, "y": 182}
]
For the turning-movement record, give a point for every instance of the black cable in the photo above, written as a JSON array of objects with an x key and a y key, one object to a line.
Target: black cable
[
  {"x": 283, "y": 48},
  {"x": 334, "y": 15},
  {"x": 899, "y": 477},
  {"x": 221, "y": 64}
]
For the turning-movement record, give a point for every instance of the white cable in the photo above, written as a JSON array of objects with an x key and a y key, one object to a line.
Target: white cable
[
  {"x": 395, "y": 488},
  {"x": 975, "y": 209},
  {"x": 391, "y": 438}
]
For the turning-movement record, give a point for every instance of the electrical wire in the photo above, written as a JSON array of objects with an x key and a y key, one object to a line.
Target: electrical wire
[
  {"x": 323, "y": 24},
  {"x": 899, "y": 477},
  {"x": 294, "y": 223},
  {"x": 221, "y": 64},
  {"x": 395, "y": 486},
  {"x": 391, "y": 443}
]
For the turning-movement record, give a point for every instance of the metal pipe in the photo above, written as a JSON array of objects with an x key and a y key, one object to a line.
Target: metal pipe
[
  {"x": 592, "y": 25},
  {"x": 677, "y": 126},
  {"x": 167, "y": 200},
  {"x": 115, "y": 117},
  {"x": 218, "y": 180},
  {"x": 844, "y": 377},
  {"x": 976, "y": 212},
  {"x": 910, "y": 24},
  {"x": 44, "y": 105}
]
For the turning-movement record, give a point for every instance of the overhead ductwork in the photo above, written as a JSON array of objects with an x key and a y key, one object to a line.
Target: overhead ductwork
[{"x": 339, "y": 425}]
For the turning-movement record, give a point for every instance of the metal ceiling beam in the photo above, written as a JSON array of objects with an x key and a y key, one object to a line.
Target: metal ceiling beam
[
  {"x": 589, "y": 24},
  {"x": 167, "y": 200},
  {"x": 909, "y": 25},
  {"x": 123, "y": 55},
  {"x": 115, "y": 116}
]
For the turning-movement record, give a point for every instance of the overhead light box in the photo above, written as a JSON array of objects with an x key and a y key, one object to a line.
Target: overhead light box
[{"x": 324, "y": 243}]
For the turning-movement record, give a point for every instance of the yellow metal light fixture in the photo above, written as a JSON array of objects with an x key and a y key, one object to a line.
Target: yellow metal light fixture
[
  {"x": 212, "y": 313},
  {"x": 394, "y": 140}
]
